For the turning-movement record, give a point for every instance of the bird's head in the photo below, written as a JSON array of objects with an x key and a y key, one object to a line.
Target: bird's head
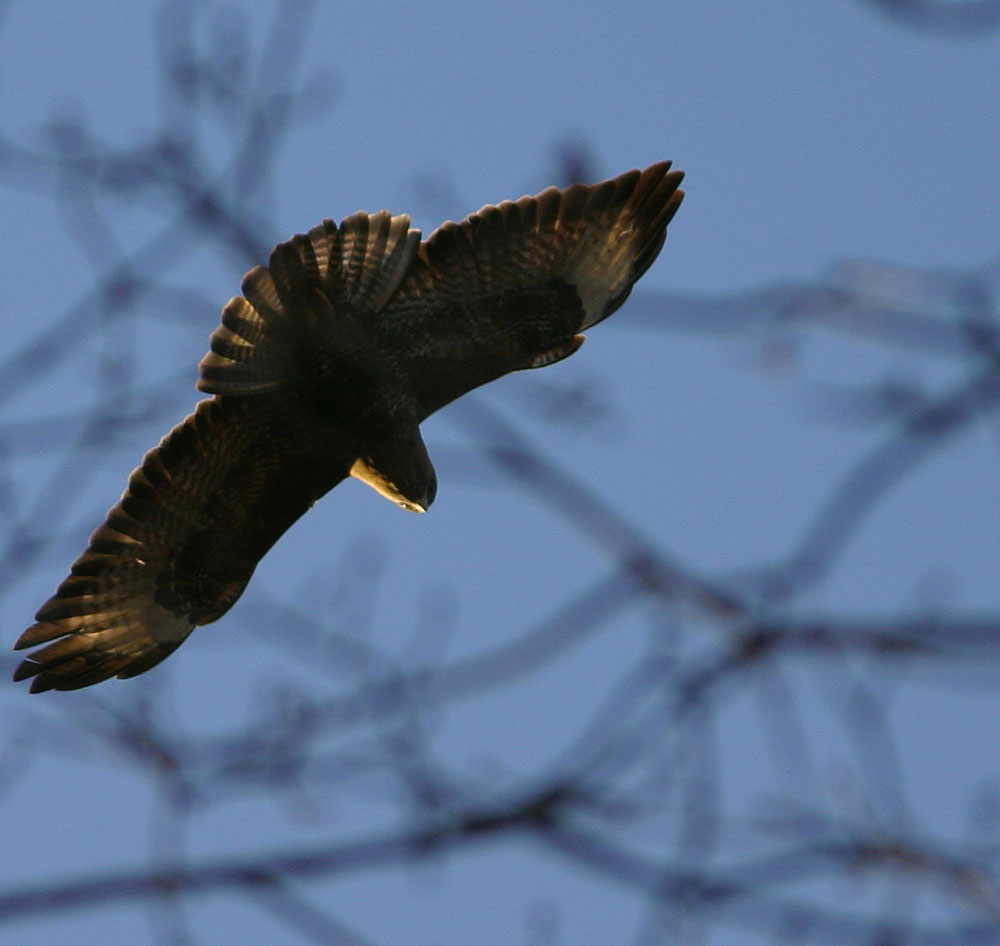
[{"x": 400, "y": 470}]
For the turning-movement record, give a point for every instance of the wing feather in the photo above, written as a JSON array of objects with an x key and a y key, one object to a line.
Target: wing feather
[
  {"x": 511, "y": 285},
  {"x": 182, "y": 542},
  {"x": 362, "y": 313}
]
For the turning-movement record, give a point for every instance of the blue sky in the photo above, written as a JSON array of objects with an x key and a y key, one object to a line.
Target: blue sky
[{"x": 812, "y": 135}]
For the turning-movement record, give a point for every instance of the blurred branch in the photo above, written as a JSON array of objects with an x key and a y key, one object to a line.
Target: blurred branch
[
  {"x": 471, "y": 824},
  {"x": 653, "y": 571},
  {"x": 925, "y": 433},
  {"x": 970, "y": 18},
  {"x": 743, "y": 893},
  {"x": 945, "y": 313},
  {"x": 642, "y": 791}
]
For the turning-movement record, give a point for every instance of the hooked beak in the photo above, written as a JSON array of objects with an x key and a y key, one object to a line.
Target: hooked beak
[{"x": 364, "y": 470}]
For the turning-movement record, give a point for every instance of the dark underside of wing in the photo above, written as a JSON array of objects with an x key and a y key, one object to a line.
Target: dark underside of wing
[
  {"x": 350, "y": 337},
  {"x": 511, "y": 285},
  {"x": 179, "y": 547}
]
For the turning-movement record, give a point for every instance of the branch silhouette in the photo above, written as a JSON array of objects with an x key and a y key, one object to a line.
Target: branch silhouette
[{"x": 647, "y": 791}]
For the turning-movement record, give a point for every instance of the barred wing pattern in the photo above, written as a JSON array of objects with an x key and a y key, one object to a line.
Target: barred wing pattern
[
  {"x": 179, "y": 547},
  {"x": 551, "y": 265},
  {"x": 323, "y": 369}
]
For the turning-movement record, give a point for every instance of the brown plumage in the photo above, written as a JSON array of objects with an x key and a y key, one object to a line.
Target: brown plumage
[{"x": 324, "y": 369}]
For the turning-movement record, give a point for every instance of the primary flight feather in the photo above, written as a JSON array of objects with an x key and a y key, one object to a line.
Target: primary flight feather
[{"x": 324, "y": 368}]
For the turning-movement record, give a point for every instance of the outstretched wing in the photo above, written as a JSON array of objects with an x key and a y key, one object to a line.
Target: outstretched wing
[
  {"x": 181, "y": 544},
  {"x": 205, "y": 505},
  {"x": 365, "y": 311},
  {"x": 511, "y": 285}
]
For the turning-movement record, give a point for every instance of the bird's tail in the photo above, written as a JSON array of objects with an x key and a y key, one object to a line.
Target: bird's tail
[{"x": 357, "y": 265}]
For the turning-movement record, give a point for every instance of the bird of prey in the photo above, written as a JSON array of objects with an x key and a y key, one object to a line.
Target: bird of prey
[{"x": 324, "y": 368}]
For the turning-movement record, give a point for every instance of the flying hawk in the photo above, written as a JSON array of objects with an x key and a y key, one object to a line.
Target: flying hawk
[{"x": 324, "y": 368}]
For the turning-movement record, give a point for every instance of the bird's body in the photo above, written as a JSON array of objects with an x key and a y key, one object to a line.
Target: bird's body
[{"x": 324, "y": 369}]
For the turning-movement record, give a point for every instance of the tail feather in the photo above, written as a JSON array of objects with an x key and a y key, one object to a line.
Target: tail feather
[{"x": 357, "y": 265}]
